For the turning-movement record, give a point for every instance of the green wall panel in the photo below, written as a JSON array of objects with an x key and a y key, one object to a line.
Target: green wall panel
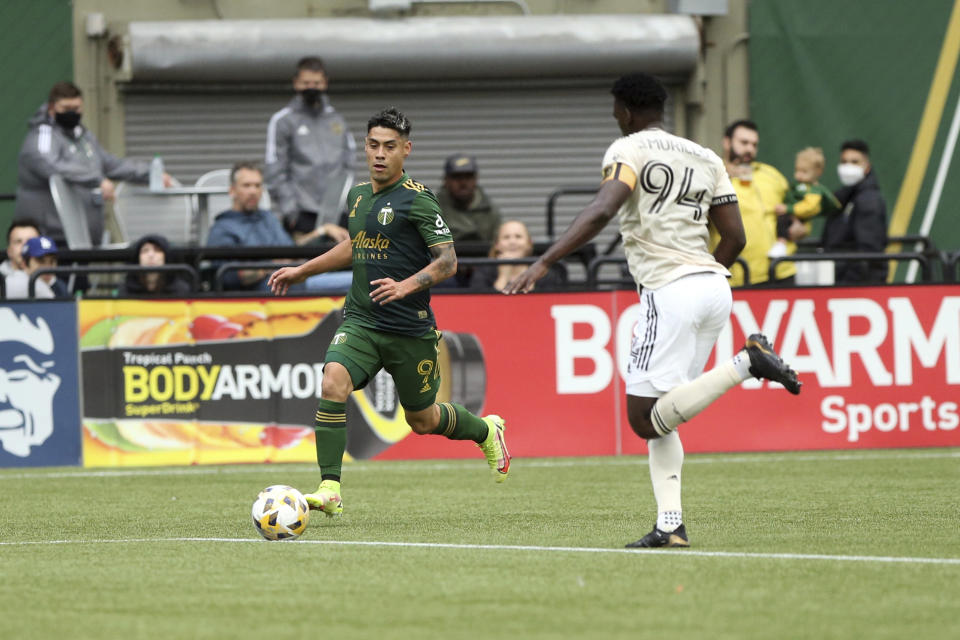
[
  {"x": 37, "y": 51},
  {"x": 823, "y": 71}
]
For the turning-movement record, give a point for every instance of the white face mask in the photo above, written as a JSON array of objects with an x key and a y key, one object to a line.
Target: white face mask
[{"x": 850, "y": 174}]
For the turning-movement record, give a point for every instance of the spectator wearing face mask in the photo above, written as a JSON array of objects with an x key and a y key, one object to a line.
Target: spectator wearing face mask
[
  {"x": 309, "y": 159},
  {"x": 861, "y": 222},
  {"x": 58, "y": 143}
]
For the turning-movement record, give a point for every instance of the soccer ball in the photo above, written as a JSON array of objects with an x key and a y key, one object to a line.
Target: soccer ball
[{"x": 280, "y": 513}]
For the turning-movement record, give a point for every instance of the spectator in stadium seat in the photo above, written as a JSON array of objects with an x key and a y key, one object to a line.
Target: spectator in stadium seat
[
  {"x": 19, "y": 231},
  {"x": 665, "y": 190},
  {"x": 37, "y": 253},
  {"x": 151, "y": 251},
  {"x": 861, "y": 222},
  {"x": 246, "y": 225},
  {"x": 759, "y": 188},
  {"x": 467, "y": 210},
  {"x": 513, "y": 241},
  {"x": 57, "y": 143},
  {"x": 309, "y": 159}
]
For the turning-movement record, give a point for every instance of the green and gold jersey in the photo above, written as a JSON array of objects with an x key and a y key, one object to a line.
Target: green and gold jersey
[{"x": 391, "y": 232}]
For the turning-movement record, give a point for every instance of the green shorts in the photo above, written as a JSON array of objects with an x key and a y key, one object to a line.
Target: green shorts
[{"x": 412, "y": 362}]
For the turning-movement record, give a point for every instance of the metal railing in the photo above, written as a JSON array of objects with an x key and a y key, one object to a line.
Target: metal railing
[
  {"x": 855, "y": 256},
  {"x": 78, "y": 270},
  {"x": 229, "y": 267},
  {"x": 552, "y": 204},
  {"x": 594, "y": 280}
]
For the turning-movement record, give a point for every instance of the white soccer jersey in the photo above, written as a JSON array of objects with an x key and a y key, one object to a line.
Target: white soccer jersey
[{"x": 664, "y": 221}]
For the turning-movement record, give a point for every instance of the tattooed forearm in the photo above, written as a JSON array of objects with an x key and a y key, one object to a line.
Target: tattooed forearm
[
  {"x": 424, "y": 280},
  {"x": 445, "y": 258}
]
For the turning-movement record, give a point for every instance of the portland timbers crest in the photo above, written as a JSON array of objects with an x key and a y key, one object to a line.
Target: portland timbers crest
[{"x": 385, "y": 216}]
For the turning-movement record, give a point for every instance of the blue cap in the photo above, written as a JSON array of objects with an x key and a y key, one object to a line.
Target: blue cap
[{"x": 38, "y": 247}]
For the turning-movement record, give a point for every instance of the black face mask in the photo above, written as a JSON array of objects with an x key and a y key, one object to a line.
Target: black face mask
[
  {"x": 311, "y": 97},
  {"x": 67, "y": 119}
]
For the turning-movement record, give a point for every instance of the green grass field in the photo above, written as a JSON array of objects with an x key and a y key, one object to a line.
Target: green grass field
[{"x": 800, "y": 545}]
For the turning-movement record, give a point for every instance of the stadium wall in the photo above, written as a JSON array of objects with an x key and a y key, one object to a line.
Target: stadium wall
[
  {"x": 37, "y": 51},
  {"x": 822, "y": 72},
  {"x": 183, "y": 382}
]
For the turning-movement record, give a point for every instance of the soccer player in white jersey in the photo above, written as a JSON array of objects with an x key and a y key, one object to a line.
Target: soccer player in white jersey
[{"x": 666, "y": 190}]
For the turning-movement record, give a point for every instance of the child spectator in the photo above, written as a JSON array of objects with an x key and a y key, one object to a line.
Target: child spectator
[
  {"x": 37, "y": 253},
  {"x": 805, "y": 199}
]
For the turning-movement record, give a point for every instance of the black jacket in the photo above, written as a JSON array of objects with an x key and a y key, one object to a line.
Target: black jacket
[{"x": 859, "y": 225}]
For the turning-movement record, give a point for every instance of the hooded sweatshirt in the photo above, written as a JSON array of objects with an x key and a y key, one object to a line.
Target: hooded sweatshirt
[{"x": 76, "y": 155}]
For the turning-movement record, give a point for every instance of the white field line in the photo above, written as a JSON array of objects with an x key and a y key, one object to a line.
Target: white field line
[
  {"x": 440, "y": 465},
  {"x": 677, "y": 553}
]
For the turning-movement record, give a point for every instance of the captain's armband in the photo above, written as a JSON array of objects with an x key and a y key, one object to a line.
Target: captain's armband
[
  {"x": 730, "y": 198},
  {"x": 621, "y": 172}
]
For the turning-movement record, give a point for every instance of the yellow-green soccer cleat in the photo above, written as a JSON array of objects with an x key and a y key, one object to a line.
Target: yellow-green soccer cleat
[
  {"x": 326, "y": 499},
  {"x": 495, "y": 447}
]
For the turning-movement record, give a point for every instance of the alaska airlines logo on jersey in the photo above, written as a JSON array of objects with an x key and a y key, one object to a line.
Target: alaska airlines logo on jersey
[
  {"x": 353, "y": 210},
  {"x": 363, "y": 241},
  {"x": 385, "y": 216}
]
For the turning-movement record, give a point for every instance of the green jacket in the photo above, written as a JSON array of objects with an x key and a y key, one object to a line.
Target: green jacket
[{"x": 479, "y": 222}]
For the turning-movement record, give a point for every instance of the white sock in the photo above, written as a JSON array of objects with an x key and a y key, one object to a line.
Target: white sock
[
  {"x": 741, "y": 362},
  {"x": 682, "y": 403},
  {"x": 666, "y": 461},
  {"x": 669, "y": 520}
]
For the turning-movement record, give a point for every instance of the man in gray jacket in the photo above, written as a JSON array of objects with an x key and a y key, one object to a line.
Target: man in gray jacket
[
  {"x": 309, "y": 159},
  {"x": 57, "y": 143}
]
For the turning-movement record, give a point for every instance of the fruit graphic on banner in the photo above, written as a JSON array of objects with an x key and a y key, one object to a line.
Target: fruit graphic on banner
[{"x": 196, "y": 382}]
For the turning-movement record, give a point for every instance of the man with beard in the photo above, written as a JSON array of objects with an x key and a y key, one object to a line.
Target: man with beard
[
  {"x": 309, "y": 159},
  {"x": 759, "y": 188}
]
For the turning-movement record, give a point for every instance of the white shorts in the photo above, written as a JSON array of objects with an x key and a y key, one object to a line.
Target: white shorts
[{"x": 678, "y": 326}]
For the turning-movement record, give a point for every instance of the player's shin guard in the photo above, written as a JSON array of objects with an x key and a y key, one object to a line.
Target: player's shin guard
[
  {"x": 682, "y": 403},
  {"x": 331, "y": 431},
  {"x": 456, "y": 423}
]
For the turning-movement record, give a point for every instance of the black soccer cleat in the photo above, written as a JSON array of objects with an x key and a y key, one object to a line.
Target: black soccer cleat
[
  {"x": 657, "y": 538},
  {"x": 765, "y": 363}
]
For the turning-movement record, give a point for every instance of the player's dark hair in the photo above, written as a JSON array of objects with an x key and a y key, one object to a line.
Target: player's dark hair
[
  {"x": 390, "y": 118},
  {"x": 857, "y": 145},
  {"x": 249, "y": 165},
  {"x": 63, "y": 90},
  {"x": 736, "y": 124},
  {"x": 23, "y": 222},
  {"x": 640, "y": 92},
  {"x": 309, "y": 63}
]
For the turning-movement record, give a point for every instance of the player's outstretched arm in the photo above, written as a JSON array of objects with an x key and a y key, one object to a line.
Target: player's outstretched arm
[
  {"x": 339, "y": 257},
  {"x": 584, "y": 228},
  {"x": 443, "y": 265},
  {"x": 726, "y": 220}
]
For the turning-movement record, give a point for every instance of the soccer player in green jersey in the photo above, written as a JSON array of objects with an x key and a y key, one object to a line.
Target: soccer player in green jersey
[{"x": 399, "y": 247}]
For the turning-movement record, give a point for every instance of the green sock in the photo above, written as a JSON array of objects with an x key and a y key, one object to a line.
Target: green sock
[
  {"x": 331, "y": 430},
  {"x": 456, "y": 423}
]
